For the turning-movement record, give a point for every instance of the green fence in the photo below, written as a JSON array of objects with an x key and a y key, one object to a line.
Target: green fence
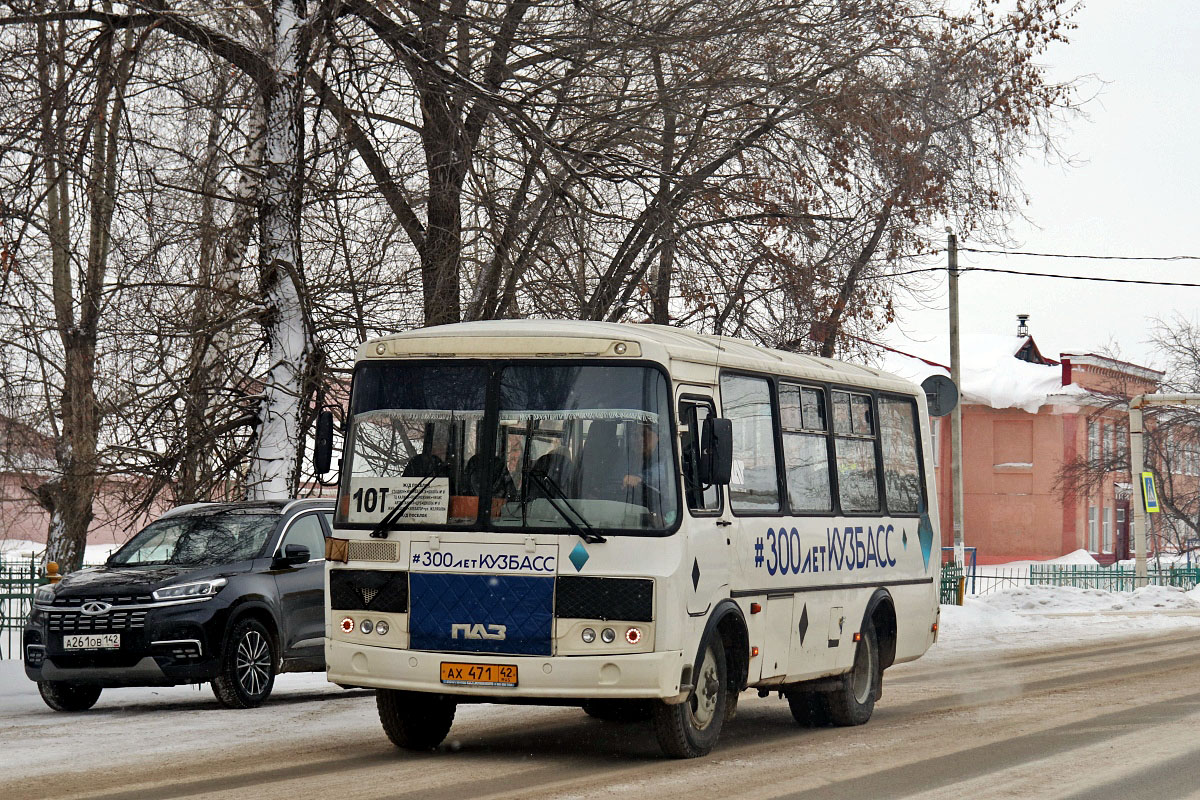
[
  {"x": 951, "y": 575},
  {"x": 1113, "y": 579},
  {"x": 18, "y": 580}
]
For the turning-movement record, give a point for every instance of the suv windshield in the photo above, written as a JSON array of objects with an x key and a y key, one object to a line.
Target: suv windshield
[
  {"x": 592, "y": 442},
  {"x": 194, "y": 541}
]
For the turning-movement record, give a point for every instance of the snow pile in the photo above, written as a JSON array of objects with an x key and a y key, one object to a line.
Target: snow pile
[
  {"x": 1081, "y": 557},
  {"x": 991, "y": 375},
  {"x": 980, "y": 618},
  {"x": 1038, "y": 599}
]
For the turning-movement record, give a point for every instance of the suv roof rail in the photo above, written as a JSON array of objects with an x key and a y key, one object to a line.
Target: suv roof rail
[
  {"x": 291, "y": 503},
  {"x": 183, "y": 509}
]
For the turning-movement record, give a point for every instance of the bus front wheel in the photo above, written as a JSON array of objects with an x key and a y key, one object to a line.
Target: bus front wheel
[
  {"x": 690, "y": 729},
  {"x": 414, "y": 720}
]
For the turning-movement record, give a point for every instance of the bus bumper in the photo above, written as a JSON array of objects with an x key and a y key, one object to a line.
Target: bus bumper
[{"x": 638, "y": 675}]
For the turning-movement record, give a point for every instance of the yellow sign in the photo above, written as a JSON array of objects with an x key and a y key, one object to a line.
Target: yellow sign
[{"x": 1149, "y": 496}]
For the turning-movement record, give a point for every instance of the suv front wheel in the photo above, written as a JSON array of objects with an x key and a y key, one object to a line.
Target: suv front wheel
[
  {"x": 69, "y": 696},
  {"x": 247, "y": 671}
]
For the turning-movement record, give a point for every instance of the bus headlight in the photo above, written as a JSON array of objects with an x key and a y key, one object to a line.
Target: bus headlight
[
  {"x": 588, "y": 635},
  {"x": 608, "y": 635},
  {"x": 633, "y": 635},
  {"x": 365, "y": 626},
  {"x": 382, "y": 627}
]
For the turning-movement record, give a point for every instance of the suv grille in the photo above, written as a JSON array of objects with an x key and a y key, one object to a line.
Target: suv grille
[
  {"x": 112, "y": 622},
  {"x": 126, "y": 599}
]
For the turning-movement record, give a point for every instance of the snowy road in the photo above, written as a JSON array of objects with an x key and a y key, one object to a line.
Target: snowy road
[{"x": 1112, "y": 718}]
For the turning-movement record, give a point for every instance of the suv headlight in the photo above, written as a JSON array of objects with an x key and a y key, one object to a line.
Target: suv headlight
[
  {"x": 44, "y": 595},
  {"x": 186, "y": 591}
]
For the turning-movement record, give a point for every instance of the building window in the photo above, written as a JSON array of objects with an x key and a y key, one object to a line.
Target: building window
[
  {"x": 1110, "y": 448},
  {"x": 1093, "y": 538},
  {"x": 1093, "y": 439},
  {"x": 1108, "y": 529},
  {"x": 1122, "y": 441}
]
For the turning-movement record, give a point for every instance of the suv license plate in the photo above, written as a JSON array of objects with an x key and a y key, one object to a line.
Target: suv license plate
[
  {"x": 97, "y": 641},
  {"x": 479, "y": 674}
]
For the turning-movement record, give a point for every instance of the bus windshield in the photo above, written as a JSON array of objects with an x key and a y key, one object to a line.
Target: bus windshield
[{"x": 566, "y": 446}]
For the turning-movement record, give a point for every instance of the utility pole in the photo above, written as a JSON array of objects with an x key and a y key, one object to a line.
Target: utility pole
[
  {"x": 1137, "y": 456},
  {"x": 956, "y": 415},
  {"x": 1141, "y": 520}
]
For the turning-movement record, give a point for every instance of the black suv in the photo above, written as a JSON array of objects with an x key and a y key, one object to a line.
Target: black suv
[{"x": 231, "y": 593}]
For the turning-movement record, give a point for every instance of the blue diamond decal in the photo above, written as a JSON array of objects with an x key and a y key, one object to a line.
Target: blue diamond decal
[
  {"x": 925, "y": 534},
  {"x": 904, "y": 539},
  {"x": 579, "y": 556}
]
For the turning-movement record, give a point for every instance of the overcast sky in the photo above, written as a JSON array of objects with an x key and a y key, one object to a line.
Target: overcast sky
[{"x": 1134, "y": 191}]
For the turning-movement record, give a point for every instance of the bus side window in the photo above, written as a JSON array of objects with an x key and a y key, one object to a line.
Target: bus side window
[
  {"x": 705, "y": 499},
  {"x": 754, "y": 485},
  {"x": 901, "y": 464},
  {"x": 854, "y": 443},
  {"x": 805, "y": 450}
]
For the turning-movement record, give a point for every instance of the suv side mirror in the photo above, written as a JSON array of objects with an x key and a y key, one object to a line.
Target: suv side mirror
[
  {"x": 323, "y": 446},
  {"x": 716, "y": 451},
  {"x": 294, "y": 554}
]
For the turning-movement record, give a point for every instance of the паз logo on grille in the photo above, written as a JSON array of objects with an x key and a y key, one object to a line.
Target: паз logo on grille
[
  {"x": 94, "y": 608},
  {"x": 477, "y": 631}
]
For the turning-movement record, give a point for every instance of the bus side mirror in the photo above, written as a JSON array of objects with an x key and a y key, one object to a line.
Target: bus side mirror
[
  {"x": 716, "y": 451},
  {"x": 323, "y": 446}
]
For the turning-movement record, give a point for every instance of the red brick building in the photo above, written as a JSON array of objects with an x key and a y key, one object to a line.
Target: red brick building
[{"x": 1024, "y": 416}]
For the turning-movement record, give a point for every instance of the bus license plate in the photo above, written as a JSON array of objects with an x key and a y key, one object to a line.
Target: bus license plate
[
  {"x": 95, "y": 641},
  {"x": 479, "y": 674}
]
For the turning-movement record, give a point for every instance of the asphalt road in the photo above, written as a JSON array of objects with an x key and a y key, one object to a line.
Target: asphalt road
[{"x": 1117, "y": 720}]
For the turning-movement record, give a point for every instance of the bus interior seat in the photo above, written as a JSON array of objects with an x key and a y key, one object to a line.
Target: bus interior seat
[{"x": 601, "y": 463}]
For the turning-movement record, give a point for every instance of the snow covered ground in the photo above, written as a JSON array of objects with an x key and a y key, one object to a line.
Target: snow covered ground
[
  {"x": 1030, "y": 617},
  {"x": 162, "y": 725}
]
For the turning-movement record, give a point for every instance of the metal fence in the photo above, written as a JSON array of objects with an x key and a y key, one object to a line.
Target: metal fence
[
  {"x": 1113, "y": 579},
  {"x": 18, "y": 581},
  {"x": 985, "y": 580},
  {"x": 952, "y": 574}
]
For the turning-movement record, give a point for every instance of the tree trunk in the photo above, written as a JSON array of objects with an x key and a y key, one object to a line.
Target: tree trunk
[
  {"x": 275, "y": 463},
  {"x": 68, "y": 498}
]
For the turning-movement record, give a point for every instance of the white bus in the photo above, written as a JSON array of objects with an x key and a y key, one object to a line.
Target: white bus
[{"x": 633, "y": 519}]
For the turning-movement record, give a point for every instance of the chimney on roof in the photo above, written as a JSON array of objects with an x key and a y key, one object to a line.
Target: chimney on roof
[{"x": 1022, "y": 324}]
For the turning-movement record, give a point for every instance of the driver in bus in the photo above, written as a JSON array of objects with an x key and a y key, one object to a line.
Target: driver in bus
[{"x": 647, "y": 480}]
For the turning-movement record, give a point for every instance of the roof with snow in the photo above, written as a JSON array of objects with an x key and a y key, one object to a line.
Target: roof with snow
[{"x": 999, "y": 371}]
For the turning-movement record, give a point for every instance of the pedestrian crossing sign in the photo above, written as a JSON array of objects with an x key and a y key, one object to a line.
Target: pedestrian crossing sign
[{"x": 1149, "y": 496}]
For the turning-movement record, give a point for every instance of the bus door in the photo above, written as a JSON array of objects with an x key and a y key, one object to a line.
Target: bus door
[{"x": 709, "y": 550}]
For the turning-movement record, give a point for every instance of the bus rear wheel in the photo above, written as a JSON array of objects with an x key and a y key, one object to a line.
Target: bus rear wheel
[
  {"x": 854, "y": 703},
  {"x": 690, "y": 729},
  {"x": 414, "y": 720}
]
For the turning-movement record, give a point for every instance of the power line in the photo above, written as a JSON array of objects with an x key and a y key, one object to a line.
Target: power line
[
  {"x": 1077, "y": 255},
  {"x": 1097, "y": 279}
]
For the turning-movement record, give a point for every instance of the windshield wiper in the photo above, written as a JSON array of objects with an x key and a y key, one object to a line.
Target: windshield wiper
[
  {"x": 551, "y": 488},
  {"x": 380, "y": 531}
]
